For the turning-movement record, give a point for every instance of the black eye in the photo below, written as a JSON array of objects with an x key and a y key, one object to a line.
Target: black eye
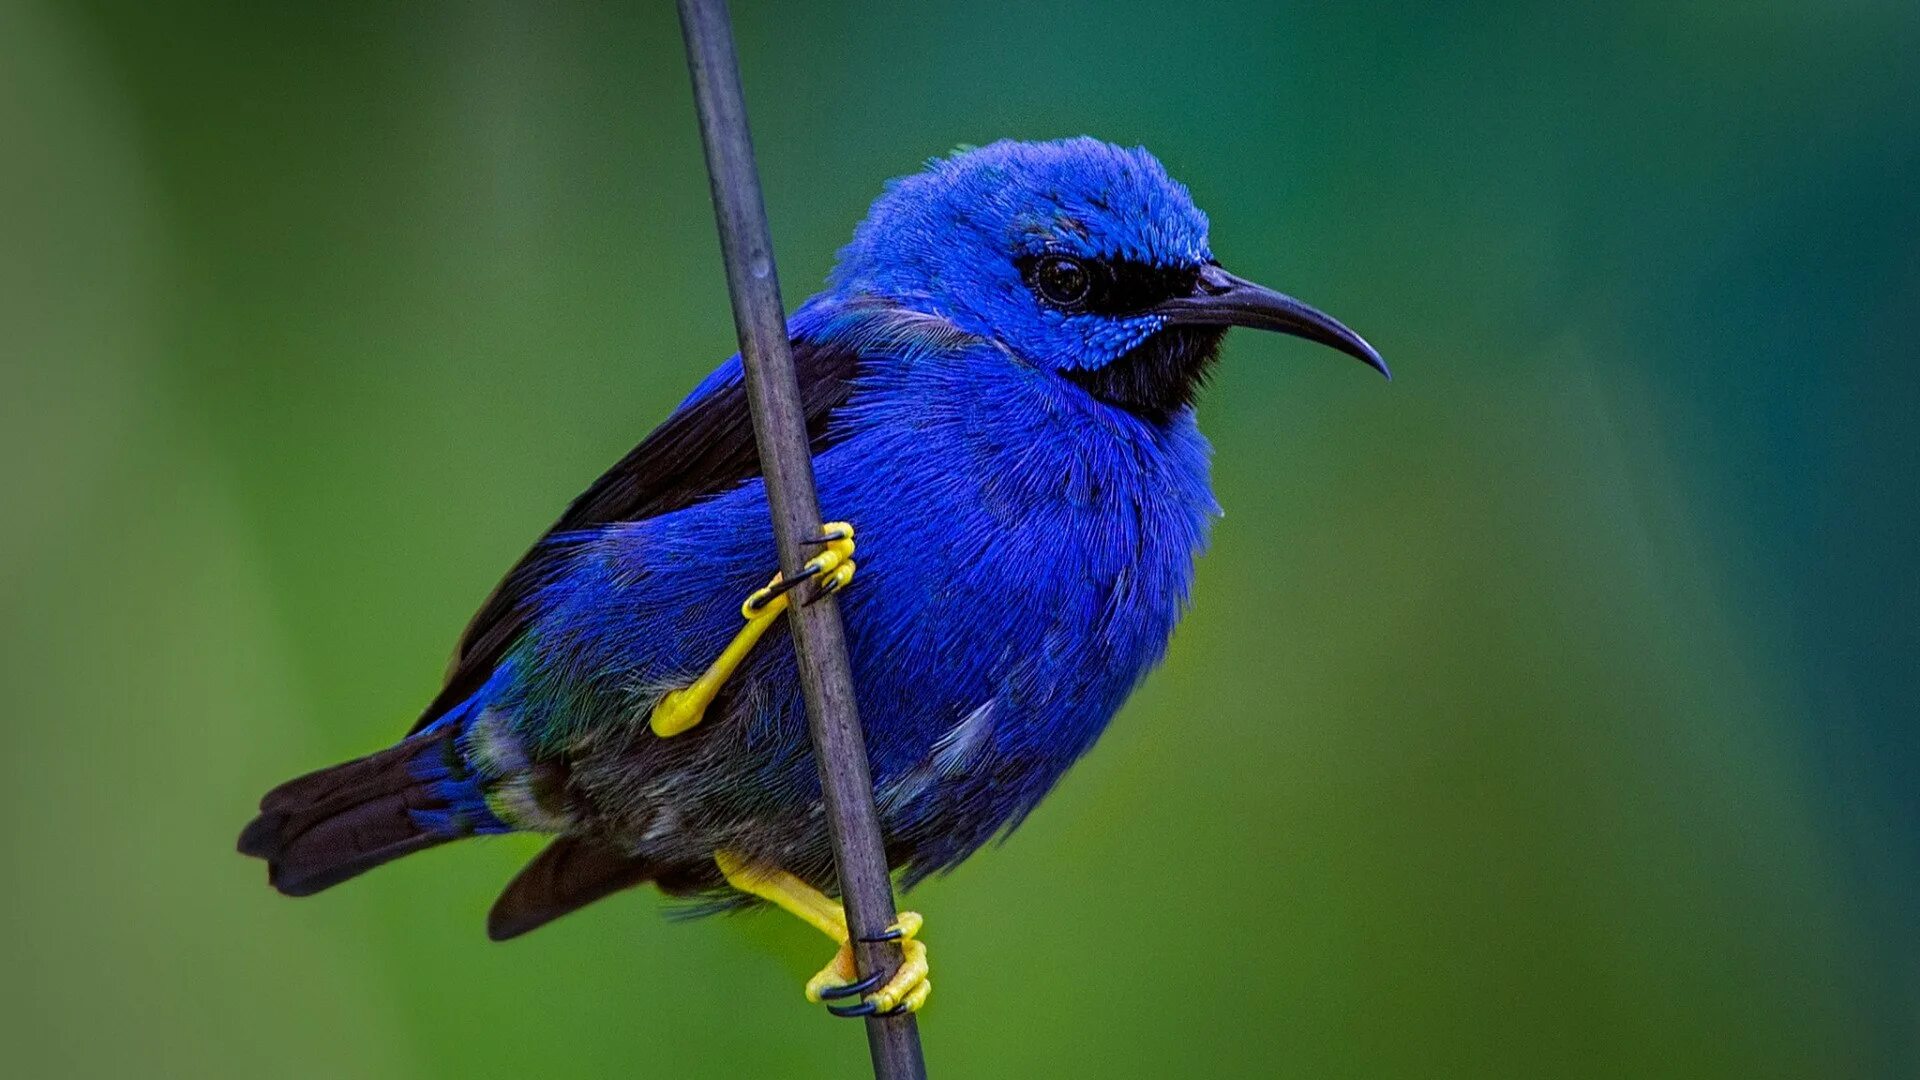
[{"x": 1061, "y": 281}]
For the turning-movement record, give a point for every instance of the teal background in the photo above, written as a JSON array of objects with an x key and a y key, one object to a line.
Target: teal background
[{"x": 1548, "y": 713}]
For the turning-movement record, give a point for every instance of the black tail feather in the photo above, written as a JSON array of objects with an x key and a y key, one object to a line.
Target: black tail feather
[{"x": 318, "y": 830}]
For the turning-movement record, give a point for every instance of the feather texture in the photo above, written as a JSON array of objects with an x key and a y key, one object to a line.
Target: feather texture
[{"x": 705, "y": 447}]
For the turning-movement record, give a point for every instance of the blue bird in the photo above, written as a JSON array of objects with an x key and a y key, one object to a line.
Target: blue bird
[{"x": 999, "y": 387}]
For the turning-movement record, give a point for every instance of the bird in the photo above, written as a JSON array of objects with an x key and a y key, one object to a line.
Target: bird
[{"x": 999, "y": 382}]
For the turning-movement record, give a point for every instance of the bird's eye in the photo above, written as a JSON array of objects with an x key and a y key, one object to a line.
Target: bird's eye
[{"x": 1062, "y": 281}]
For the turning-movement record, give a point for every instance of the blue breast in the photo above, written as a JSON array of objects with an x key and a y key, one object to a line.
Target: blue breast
[{"x": 1026, "y": 552}]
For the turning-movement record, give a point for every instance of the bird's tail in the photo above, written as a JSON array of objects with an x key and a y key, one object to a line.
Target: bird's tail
[{"x": 327, "y": 826}]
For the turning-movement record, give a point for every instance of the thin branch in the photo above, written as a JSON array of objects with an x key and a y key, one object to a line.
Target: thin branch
[{"x": 779, "y": 427}]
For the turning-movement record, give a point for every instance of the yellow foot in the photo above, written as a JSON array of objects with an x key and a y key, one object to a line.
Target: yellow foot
[
  {"x": 833, "y": 567},
  {"x": 832, "y": 570},
  {"x": 905, "y": 992}
]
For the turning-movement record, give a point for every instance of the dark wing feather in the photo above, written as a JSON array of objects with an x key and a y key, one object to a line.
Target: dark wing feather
[
  {"x": 704, "y": 448},
  {"x": 569, "y": 874}
]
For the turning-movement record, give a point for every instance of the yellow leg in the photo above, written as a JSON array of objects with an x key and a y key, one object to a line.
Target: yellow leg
[
  {"x": 833, "y": 568},
  {"x": 906, "y": 991}
]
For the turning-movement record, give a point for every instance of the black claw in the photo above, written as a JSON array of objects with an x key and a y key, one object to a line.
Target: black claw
[
  {"x": 825, "y": 537},
  {"x": 865, "y": 1008},
  {"x": 894, "y": 934},
  {"x": 854, "y": 989},
  {"x": 781, "y": 589},
  {"x": 897, "y": 1010}
]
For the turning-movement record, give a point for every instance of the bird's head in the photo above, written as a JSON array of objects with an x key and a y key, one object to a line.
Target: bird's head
[{"x": 1078, "y": 256}]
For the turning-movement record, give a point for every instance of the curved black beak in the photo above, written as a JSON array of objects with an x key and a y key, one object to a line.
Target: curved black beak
[{"x": 1221, "y": 299}]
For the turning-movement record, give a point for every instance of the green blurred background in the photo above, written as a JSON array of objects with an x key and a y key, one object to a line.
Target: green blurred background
[{"x": 1548, "y": 713}]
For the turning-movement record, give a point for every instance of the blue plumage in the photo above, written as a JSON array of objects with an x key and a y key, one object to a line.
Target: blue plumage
[{"x": 999, "y": 387}]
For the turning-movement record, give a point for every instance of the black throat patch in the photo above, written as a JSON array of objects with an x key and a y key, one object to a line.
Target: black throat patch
[{"x": 1158, "y": 377}]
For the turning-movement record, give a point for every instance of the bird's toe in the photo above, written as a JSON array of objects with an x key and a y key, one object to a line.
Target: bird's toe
[{"x": 904, "y": 991}]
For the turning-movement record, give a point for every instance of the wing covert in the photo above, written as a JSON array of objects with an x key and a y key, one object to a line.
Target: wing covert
[{"x": 704, "y": 448}]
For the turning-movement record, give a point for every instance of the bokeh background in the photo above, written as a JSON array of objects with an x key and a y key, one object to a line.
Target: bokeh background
[{"x": 1549, "y": 712}]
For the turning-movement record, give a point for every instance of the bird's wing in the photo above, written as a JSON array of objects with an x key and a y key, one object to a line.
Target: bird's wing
[{"x": 704, "y": 448}]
